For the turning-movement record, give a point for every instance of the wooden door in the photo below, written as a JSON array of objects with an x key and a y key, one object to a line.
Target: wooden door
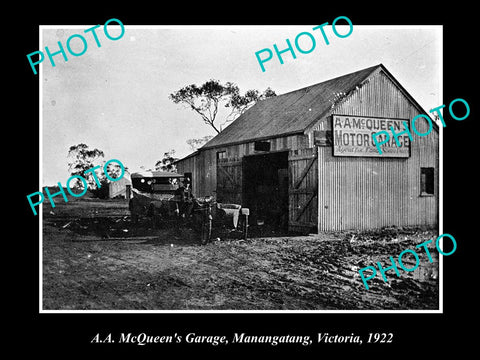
[
  {"x": 303, "y": 190},
  {"x": 229, "y": 181}
]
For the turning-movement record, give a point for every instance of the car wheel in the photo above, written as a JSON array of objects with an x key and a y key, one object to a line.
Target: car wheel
[{"x": 206, "y": 232}]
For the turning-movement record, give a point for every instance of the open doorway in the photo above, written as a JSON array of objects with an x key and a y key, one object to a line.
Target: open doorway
[{"x": 265, "y": 188}]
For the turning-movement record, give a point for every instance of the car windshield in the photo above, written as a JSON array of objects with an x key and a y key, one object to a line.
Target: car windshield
[{"x": 163, "y": 185}]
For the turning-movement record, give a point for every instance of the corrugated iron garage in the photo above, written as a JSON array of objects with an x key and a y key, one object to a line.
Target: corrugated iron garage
[{"x": 297, "y": 159}]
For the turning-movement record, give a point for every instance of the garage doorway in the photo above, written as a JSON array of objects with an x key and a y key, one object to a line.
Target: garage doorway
[{"x": 265, "y": 188}]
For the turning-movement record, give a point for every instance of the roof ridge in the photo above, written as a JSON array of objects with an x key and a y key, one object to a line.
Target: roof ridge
[
  {"x": 331, "y": 79},
  {"x": 278, "y": 106}
]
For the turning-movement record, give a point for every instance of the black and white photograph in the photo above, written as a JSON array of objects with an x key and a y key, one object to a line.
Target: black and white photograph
[
  {"x": 238, "y": 182},
  {"x": 212, "y": 182}
]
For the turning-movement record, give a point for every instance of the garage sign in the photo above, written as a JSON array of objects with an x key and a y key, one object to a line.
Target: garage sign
[{"x": 352, "y": 136}]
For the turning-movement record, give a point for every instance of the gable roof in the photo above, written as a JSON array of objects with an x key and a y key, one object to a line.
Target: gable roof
[
  {"x": 296, "y": 111},
  {"x": 288, "y": 113}
]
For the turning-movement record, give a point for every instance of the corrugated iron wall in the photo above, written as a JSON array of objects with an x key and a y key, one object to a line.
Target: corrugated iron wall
[
  {"x": 363, "y": 193},
  {"x": 360, "y": 193}
]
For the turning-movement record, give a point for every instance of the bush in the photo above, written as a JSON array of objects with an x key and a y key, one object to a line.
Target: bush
[{"x": 102, "y": 192}]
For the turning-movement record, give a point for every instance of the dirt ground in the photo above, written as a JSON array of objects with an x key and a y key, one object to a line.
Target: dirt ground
[{"x": 94, "y": 258}]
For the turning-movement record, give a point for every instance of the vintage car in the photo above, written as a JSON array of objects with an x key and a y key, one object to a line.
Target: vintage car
[
  {"x": 154, "y": 192},
  {"x": 166, "y": 198}
]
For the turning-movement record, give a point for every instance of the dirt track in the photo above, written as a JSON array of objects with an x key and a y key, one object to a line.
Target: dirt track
[{"x": 112, "y": 265}]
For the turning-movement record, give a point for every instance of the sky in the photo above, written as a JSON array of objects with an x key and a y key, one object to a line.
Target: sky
[{"x": 115, "y": 97}]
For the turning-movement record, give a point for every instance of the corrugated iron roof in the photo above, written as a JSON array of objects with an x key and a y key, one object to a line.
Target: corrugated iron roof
[{"x": 289, "y": 113}]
